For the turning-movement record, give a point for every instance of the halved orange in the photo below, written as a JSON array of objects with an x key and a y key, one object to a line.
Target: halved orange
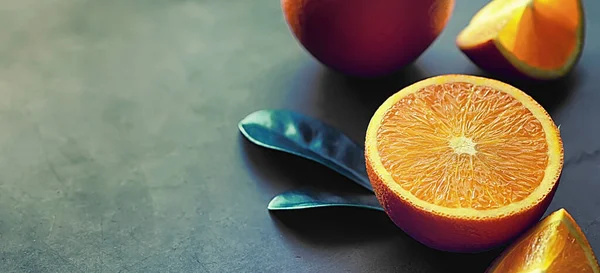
[
  {"x": 537, "y": 39},
  {"x": 463, "y": 163},
  {"x": 554, "y": 245}
]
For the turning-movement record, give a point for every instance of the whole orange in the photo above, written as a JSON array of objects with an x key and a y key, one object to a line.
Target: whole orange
[{"x": 366, "y": 38}]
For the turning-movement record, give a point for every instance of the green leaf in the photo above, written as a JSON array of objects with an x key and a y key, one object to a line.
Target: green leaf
[
  {"x": 308, "y": 199},
  {"x": 307, "y": 137}
]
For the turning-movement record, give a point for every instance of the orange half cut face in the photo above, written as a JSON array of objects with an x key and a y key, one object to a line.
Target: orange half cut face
[{"x": 470, "y": 161}]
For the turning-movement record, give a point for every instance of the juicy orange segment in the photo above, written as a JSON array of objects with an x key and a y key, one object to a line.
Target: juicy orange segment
[
  {"x": 463, "y": 146},
  {"x": 554, "y": 245},
  {"x": 463, "y": 163},
  {"x": 542, "y": 38}
]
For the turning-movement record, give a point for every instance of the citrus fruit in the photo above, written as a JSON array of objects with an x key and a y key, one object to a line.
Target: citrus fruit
[
  {"x": 554, "y": 245},
  {"x": 534, "y": 39},
  {"x": 463, "y": 163},
  {"x": 366, "y": 38}
]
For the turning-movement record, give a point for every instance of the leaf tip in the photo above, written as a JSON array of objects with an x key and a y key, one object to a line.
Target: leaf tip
[{"x": 275, "y": 203}]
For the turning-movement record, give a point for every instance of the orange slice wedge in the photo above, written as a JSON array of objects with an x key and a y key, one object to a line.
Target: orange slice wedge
[
  {"x": 463, "y": 163},
  {"x": 536, "y": 39},
  {"x": 554, "y": 245}
]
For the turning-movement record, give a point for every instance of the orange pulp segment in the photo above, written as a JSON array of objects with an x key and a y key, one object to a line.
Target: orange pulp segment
[
  {"x": 554, "y": 245},
  {"x": 542, "y": 38}
]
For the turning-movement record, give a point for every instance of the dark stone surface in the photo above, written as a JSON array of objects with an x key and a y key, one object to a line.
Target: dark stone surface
[{"x": 120, "y": 151}]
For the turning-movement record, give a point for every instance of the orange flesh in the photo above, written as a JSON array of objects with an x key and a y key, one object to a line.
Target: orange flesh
[
  {"x": 552, "y": 248},
  {"x": 540, "y": 33},
  {"x": 569, "y": 254},
  {"x": 459, "y": 145}
]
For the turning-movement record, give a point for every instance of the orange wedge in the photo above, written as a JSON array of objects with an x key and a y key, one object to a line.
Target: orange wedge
[
  {"x": 536, "y": 39},
  {"x": 463, "y": 163},
  {"x": 555, "y": 245}
]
